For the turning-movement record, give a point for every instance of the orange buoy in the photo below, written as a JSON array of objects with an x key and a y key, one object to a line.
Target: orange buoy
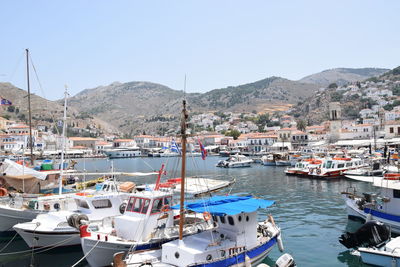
[
  {"x": 206, "y": 216},
  {"x": 3, "y": 192}
]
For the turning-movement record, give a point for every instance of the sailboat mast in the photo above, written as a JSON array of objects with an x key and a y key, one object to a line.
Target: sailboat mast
[
  {"x": 183, "y": 170},
  {"x": 29, "y": 105},
  {"x": 63, "y": 142}
]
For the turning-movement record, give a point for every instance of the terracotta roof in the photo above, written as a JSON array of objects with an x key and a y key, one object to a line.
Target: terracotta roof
[
  {"x": 123, "y": 140},
  {"x": 82, "y": 139}
]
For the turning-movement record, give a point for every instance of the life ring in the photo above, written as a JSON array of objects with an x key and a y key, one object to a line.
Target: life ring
[
  {"x": 46, "y": 206},
  {"x": 122, "y": 208},
  {"x": 165, "y": 208},
  {"x": 318, "y": 171},
  {"x": 3, "y": 192},
  {"x": 206, "y": 216},
  {"x": 56, "y": 206}
]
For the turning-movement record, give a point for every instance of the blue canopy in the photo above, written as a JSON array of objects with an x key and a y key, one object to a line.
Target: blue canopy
[{"x": 228, "y": 205}]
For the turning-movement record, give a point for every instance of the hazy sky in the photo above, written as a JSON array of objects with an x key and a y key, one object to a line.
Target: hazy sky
[{"x": 86, "y": 43}]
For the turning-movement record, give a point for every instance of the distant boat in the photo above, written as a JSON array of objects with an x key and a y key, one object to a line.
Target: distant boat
[
  {"x": 126, "y": 152},
  {"x": 235, "y": 161}
]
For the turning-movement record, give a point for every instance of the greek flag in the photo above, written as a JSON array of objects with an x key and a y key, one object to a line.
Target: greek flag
[
  {"x": 174, "y": 147},
  {"x": 5, "y": 102}
]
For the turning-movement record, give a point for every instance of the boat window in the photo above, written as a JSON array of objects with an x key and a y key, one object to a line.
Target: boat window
[
  {"x": 341, "y": 165},
  {"x": 230, "y": 220},
  {"x": 328, "y": 164},
  {"x": 82, "y": 203},
  {"x": 101, "y": 203},
  {"x": 348, "y": 164},
  {"x": 222, "y": 219},
  {"x": 130, "y": 204},
  {"x": 145, "y": 206},
  {"x": 167, "y": 201},
  {"x": 396, "y": 193},
  {"x": 157, "y": 204},
  {"x": 138, "y": 205}
]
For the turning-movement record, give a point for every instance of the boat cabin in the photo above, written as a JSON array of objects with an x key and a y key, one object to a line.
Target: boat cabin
[
  {"x": 145, "y": 212},
  {"x": 100, "y": 206}
]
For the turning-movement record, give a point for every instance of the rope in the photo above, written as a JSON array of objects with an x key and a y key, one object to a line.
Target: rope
[
  {"x": 41, "y": 249},
  {"x": 76, "y": 263},
  {"x": 44, "y": 95},
  {"x": 9, "y": 242}
]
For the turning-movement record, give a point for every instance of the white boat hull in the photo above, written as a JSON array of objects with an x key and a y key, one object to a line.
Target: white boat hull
[
  {"x": 379, "y": 258},
  {"x": 354, "y": 211},
  {"x": 10, "y": 217},
  {"x": 49, "y": 239},
  {"x": 368, "y": 179}
]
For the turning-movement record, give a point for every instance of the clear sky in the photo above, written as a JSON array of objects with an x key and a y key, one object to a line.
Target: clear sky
[{"x": 86, "y": 43}]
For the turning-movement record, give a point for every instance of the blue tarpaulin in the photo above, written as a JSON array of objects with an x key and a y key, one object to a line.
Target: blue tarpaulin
[{"x": 228, "y": 205}]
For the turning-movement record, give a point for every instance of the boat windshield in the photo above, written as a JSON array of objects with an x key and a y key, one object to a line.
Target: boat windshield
[
  {"x": 138, "y": 205},
  {"x": 328, "y": 164}
]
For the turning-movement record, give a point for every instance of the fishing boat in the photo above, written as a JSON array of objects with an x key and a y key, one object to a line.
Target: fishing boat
[
  {"x": 238, "y": 239},
  {"x": 383, "y": 206},
  {"x": 62, "y": 227},
  {"x": 149, "y": 213},
  {"x": 147, "y": 223},
  {"x": 235, "y": 161}
]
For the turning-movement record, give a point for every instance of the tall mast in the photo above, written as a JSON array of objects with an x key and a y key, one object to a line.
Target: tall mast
[
  {"x": 63, "y": 142},
  {"x": 183, "y": 170},
  {"x": 29, "y": 105}
]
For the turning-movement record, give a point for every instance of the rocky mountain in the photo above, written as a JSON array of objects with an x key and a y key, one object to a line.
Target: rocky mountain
[
  {"x": 342, "y": 76},
  {"x": 136, "y": 107},
  {"x": 44, "y": 112}
]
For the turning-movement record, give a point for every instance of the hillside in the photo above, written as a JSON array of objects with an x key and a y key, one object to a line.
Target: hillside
[
  {"x": 353, "y": 98},
  {"x": 137, "y": 107},
  {"x": 44, "y": 112},
  {"x": 342, "y": 76}
]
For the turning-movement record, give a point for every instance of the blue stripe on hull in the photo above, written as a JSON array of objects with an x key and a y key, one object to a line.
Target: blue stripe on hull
[
  {"x": 241, "y": 257},
  {"x": 382, "y": 215}
]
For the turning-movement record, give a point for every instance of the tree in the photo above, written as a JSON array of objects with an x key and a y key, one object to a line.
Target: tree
[
  {"x": 333, "y": 86},
  {"x": 10, "y": 108},
  {"x": 234, "y": 133},
  {"x": 301, "y": 125}
]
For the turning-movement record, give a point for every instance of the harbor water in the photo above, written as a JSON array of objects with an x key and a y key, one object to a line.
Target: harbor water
[{"x": 311, "y": 213}]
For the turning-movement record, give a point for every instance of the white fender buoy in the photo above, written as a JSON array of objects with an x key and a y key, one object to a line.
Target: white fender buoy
[
  {"x": 368, "y": 218},
  {"x": 280, "y": 243},
  {"x": 247, "y": 261}
]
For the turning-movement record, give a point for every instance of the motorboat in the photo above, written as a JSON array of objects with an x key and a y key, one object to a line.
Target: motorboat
[
  {"x": 268, "y": 160},
  {"x": 383, "y": 206},
  {"x": 235, "y": 161},
  {"x": 62, "y": 227},
  {"x": 373, "y": 244},
  {"x": 239, "y": 239},
  {"x": 301, "y": 168}
]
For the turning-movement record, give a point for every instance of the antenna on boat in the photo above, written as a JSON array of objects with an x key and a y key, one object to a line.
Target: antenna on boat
[
  {"x": 29, "y": 105},
  {"x": 63, "y": 141}
]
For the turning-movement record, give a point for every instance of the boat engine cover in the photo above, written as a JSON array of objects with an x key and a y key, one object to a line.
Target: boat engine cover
[{"x": 371, "y": 234}]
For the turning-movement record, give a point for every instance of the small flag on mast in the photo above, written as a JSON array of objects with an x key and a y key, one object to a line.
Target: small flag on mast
[
  {"x": 174, "y": 146},
  {"x": 202, "y": 150},
  {"x": 5, "y": 102}
]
